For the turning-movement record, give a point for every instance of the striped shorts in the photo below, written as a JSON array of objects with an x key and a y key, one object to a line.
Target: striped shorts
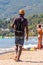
[{"x": 19, "y": 41}]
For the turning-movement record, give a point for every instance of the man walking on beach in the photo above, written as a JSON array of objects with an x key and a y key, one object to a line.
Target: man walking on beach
[
  {"x": 39, "y": 37},
  {"x": 21, "y": 28}
]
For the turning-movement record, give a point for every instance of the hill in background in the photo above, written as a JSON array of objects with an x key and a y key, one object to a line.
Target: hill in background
[
  {"x": 33, "y": 20},
  {"x": 9, "y": 8}
]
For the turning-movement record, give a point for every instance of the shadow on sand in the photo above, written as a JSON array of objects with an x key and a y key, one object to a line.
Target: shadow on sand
[{"x": 31, "y": 61}]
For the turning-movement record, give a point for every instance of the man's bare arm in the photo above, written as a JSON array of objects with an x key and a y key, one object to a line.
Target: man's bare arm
[{"x": 27, "y": 32}]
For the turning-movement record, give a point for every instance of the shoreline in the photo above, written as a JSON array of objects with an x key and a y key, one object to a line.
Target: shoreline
[
  {"x": 11, "y": 49},
  {"x": 12, "y": 36}
]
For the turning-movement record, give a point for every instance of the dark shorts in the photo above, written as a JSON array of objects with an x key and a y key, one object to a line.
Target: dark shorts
[{"x": 19, "y": 41}]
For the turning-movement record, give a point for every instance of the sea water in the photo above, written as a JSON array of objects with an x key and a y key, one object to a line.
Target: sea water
[{"x": 8, "y": 44}]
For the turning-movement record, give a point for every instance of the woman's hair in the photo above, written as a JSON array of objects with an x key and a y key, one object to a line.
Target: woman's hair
[{"x": 39, "y": 26}]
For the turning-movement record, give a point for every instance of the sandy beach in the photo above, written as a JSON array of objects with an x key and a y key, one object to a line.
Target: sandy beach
[{"x": 27, "y": 58}]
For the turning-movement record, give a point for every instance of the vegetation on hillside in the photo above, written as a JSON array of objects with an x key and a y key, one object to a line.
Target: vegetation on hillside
[{"x": 34, "y": 20}]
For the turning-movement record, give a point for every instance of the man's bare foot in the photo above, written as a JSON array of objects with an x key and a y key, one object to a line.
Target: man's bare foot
[
  {"x": 16, "y": 56},
  {"x": 16, "y": 59}
]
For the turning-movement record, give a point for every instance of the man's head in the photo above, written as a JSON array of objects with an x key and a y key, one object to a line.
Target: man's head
[{"x": 21, "y": 12}]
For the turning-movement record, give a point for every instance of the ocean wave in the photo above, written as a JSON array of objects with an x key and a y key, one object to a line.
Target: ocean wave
[
  {"x": 29, "y": 46},
  {"x": 5, "y": 50}
]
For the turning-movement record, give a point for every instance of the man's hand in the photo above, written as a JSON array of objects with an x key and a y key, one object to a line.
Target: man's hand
[{"x": 12, "y": 25}]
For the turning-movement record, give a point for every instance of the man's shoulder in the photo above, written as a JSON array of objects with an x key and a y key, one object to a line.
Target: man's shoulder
[
  {"x": 25, "y": 18},
  {"x": 19, "y": 18}
]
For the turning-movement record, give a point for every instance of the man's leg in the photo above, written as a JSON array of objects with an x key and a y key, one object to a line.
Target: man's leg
[
  {"x": 19, "y": 52},
  {"x": 16, "y": 50}
]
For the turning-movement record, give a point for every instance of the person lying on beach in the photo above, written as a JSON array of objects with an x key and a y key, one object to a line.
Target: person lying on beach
[{"x": 21, "y": 27}]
